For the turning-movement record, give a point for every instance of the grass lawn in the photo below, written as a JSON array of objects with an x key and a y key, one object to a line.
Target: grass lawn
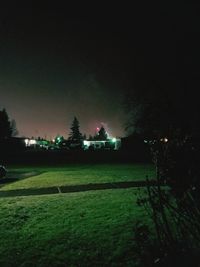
[
  {"x": 92, "y": 228},
  {"x": 78, "y": 175}
]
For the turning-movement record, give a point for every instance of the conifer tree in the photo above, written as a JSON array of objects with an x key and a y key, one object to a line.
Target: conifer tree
[
  {"x": 7, "y": 127},
  {"x": 75, "y": 134},
  {"x": 102, "y": 134}
]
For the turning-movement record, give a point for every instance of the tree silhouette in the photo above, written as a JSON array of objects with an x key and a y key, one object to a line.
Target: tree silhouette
[
  {"x": 156, "y": 112},
  {"x": 102, "y": 135},
  {"x": 7, "y": 127},
  {"x": 90, "y": 138},
  {"x": 14, "y": 128},
  {"x": 75, "y": 134}
]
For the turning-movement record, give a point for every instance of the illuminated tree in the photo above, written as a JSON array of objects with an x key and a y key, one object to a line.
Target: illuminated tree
[
  {"x": 75, "y": 134},
  {"x": 59, "y": 139},
  {"x": 7, "y": 127}
]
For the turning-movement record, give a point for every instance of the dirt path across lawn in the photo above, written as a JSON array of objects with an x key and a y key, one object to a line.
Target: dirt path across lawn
[{"x": 73, "y": 188}]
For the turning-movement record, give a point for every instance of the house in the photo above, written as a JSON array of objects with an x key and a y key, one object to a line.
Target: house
[{"x": 110, "y": 144}]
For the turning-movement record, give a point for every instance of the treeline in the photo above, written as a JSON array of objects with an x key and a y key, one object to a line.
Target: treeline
[{"x": 7, "y": 126}]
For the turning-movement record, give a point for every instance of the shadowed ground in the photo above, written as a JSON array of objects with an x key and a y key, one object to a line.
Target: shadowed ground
[
  {"x": 74, "y": 188},
  {"x": 16, "y": 176}
]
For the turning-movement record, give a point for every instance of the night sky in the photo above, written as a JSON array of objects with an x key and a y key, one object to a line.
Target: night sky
[{"x": 59, "y": 61}]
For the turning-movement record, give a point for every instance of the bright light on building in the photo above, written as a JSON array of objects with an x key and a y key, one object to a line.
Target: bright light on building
[
  {"x": 26, "y": 142},
  {"x": 86, "y": 143},
  {"x": 30, "y": 142}
]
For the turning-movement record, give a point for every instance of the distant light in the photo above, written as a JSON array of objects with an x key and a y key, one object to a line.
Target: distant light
[
  {"x": 165, "y": 139},
  {"x": 32, "y": 142},
  {"x": 26, "y": 141},
  {"x": 114, "y": 140},
  {"x": 86, "y": 143},
  {"x": 97, "y": 128}
]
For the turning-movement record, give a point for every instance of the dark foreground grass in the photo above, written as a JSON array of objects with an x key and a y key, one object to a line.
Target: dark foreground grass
[{"x": 76, "y": 229}]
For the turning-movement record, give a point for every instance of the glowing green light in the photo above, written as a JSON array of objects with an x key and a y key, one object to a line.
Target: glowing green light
[{"x": 114, "y": 140}]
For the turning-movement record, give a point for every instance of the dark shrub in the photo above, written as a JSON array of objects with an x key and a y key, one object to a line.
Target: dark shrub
[{"x": 2, "y": 171}]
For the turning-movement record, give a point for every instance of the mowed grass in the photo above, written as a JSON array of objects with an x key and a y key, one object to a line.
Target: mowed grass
[
  {"x": 94, "y": 228},
  {"x": 77, "y": 229},
  {"x": 79, "y": 175}
]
